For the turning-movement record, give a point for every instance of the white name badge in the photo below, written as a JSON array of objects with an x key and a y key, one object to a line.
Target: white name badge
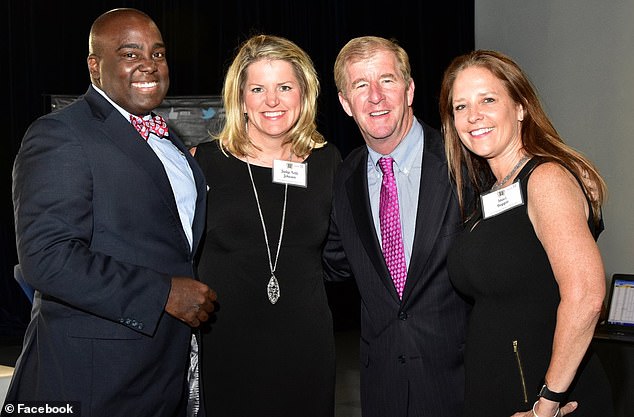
[
  {"x": 291, "y": 173},
  {"x": 499, "y": 201}
]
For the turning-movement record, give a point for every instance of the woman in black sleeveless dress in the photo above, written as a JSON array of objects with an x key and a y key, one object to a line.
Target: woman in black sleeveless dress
[{"x": 528, "y": 258}]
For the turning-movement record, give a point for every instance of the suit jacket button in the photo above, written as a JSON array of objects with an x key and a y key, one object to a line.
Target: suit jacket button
[
  {"x": 402, "y": 315},
  {"x": 401, "y": 358}
]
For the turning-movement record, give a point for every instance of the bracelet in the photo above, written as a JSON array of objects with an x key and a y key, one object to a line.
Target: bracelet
[{"x": 535, "y": 414}]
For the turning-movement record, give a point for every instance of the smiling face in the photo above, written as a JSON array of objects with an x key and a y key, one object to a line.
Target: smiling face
[
  {"x": 379, "y": 100},
  {"x": 487, "y": 120},
  {"x": 271, "y": 99},
  {"x": 127, "y": 61}
]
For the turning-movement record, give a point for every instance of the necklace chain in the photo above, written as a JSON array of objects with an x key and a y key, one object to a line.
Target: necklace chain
[
  {"x": 272, "y": 265},
  {"x": 499, "y": 184}
]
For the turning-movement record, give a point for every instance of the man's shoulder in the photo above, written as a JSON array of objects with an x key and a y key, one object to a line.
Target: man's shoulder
[
  {"x": 351, "y": 162},
  {"x": 430, "y": 133},
  {"x": 434, "y": 143},
  {"x": 355, "y": 157}
]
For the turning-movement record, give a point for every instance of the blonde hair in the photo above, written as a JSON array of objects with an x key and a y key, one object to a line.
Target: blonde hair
[
  {"x": 539, "y": 136},
  {"x": 304, "y": 135},
  {"x": 364, "y": 47}
]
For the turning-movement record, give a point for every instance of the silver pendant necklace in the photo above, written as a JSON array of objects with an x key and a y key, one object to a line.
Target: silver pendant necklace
[
  {"x": 499, "y": 184},
  {"x": 273, "y": 286}
]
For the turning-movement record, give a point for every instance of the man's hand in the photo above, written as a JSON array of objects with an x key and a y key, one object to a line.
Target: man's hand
[{"x": 190, "y": 301}]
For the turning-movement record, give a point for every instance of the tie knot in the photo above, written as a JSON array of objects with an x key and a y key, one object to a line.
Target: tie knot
[
  {"x": 385, "y": 163},
  {"x": 156, "y": 125}
]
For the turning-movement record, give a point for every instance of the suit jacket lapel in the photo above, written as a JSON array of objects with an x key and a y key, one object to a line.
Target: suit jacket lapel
[
  {"x": 357, "y": 190},
  {"x": 125, "y": 137},
  {"x": 433, "y": 200},
  {"x": 198, "y": 225}
]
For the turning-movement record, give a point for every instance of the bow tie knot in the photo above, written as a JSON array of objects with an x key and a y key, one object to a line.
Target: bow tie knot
[{"x": 156, "y": 125}]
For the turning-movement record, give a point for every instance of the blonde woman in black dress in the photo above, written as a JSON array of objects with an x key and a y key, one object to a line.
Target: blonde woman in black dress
[{"x": 270, "y": 350}]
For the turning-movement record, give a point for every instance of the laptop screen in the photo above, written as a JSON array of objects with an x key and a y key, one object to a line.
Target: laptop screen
[{"x": 621, "y": 308}]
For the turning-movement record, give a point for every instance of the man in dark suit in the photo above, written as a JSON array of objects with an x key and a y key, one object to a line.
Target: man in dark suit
[
  {"x": 108, "y": 219},
  {"x": 412, "y": 321}
]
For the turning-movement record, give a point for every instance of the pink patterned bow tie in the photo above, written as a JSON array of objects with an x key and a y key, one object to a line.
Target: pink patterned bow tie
[{"x": 154, "y": 125}]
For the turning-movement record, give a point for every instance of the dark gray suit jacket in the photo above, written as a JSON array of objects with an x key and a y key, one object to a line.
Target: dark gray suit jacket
[
  {"x": 411, "y": 351},
  {"x": 99, "y": 238}
]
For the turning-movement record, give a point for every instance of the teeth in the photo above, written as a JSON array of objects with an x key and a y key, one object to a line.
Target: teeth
[
  {"x": 273, "y": 114},
  {"x": 379, "y": 113},
  {"x": 145, "y": 85},
  {"x": 482, "y": 131}
]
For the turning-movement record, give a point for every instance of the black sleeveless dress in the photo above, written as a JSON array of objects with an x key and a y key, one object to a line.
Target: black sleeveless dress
[
  {"x": 502, "y": 266},
  {"x": 258, "y": 358}
]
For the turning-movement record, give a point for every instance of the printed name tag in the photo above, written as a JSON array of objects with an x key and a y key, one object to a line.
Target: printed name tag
[
  {"x": 499, "y": 201},
  {"x": 291, "y": 173}
]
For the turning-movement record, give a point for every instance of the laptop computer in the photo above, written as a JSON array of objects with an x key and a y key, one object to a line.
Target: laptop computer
[{"x": 619, "y": 323}]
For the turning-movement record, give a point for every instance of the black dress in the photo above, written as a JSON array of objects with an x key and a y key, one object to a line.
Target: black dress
[
  {"x": 503, "y": 267},
  {"x": 258, "y": 358}
]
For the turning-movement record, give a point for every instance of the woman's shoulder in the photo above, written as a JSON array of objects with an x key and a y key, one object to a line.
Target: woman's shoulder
[
  {"x": 553, "y": 188},
  {"x": 328, "y": 152},
  {"x": 207, "y": 149},
  {"x": 548, "y": 179},
  {"x": 208, "y": 146},
  {"x": 209, "y": 153},
  {"x": 552, "y": 174}
]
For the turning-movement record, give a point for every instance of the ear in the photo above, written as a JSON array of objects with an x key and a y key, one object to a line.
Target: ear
[
  {"x": 345, "y": 104},
  {"x": 520, "y": 113},
  {"x": 93, "y": 69},
  {"x": 410, "y": 93}
]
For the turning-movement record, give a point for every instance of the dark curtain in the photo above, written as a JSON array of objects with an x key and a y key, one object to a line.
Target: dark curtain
[{"x": 44, "y": 51}]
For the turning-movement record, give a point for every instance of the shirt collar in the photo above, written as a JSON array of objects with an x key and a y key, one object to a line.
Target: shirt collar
[
  {"x": 405, "y": 153},
  {"x": 121, "y": 110}
]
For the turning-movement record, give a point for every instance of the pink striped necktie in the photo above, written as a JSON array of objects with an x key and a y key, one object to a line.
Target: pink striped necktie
[{"x": 390, "y": 221}]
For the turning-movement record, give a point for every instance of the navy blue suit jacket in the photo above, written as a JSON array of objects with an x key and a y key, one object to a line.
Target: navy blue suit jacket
[
  {"x": 411, "y": 351},
  {"x": 99, "y": 238}
]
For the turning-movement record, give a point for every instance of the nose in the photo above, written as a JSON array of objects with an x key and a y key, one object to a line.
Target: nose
[
  {"x": 376, "y": 93},
  {"x": 271, "y": 98},
  {"x": 474, "y": 114},
  {"x": 147, "y": 65}
]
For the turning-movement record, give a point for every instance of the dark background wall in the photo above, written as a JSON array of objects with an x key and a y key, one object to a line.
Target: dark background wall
[{"x": 44, "y": 48}]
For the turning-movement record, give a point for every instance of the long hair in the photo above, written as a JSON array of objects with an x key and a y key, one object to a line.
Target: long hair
[
  {"x": 364, "y": 47},
  {"x": 539, "y": 136},
  {"x": 304, "y": 135}
]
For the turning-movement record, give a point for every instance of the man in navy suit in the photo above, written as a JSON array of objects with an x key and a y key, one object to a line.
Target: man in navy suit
[
  {"x": 412, "y": 338},
  {"x": 108, "y": 222}
]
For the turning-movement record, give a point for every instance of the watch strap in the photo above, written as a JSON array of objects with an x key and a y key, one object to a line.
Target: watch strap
[{"x": 546, "y": 393}]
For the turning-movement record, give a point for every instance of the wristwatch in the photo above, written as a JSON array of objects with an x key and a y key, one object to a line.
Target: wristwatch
[{"x": 550, "y": 395}]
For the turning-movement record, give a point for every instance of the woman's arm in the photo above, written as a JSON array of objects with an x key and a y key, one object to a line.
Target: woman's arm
[{"x": 559, "y": 212}]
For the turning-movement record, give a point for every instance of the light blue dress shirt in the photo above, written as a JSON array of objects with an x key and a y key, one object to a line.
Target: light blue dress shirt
[
  {"x": 408, "y": 157},
  {"x": 178, "y": 172}
]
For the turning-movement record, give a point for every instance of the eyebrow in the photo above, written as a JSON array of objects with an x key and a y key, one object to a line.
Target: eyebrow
[
  {"x": 129, "y": 46},
  {"x": 386, "y": 75},
  {"x": 280, "y": 83},
  {"x": 480, "y": 94},
  {"x": 357, "y": 81},
  {"x": 157, "y": 45}
]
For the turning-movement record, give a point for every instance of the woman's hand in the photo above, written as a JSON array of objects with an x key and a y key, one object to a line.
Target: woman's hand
[{"x": 545, "y": 408}]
